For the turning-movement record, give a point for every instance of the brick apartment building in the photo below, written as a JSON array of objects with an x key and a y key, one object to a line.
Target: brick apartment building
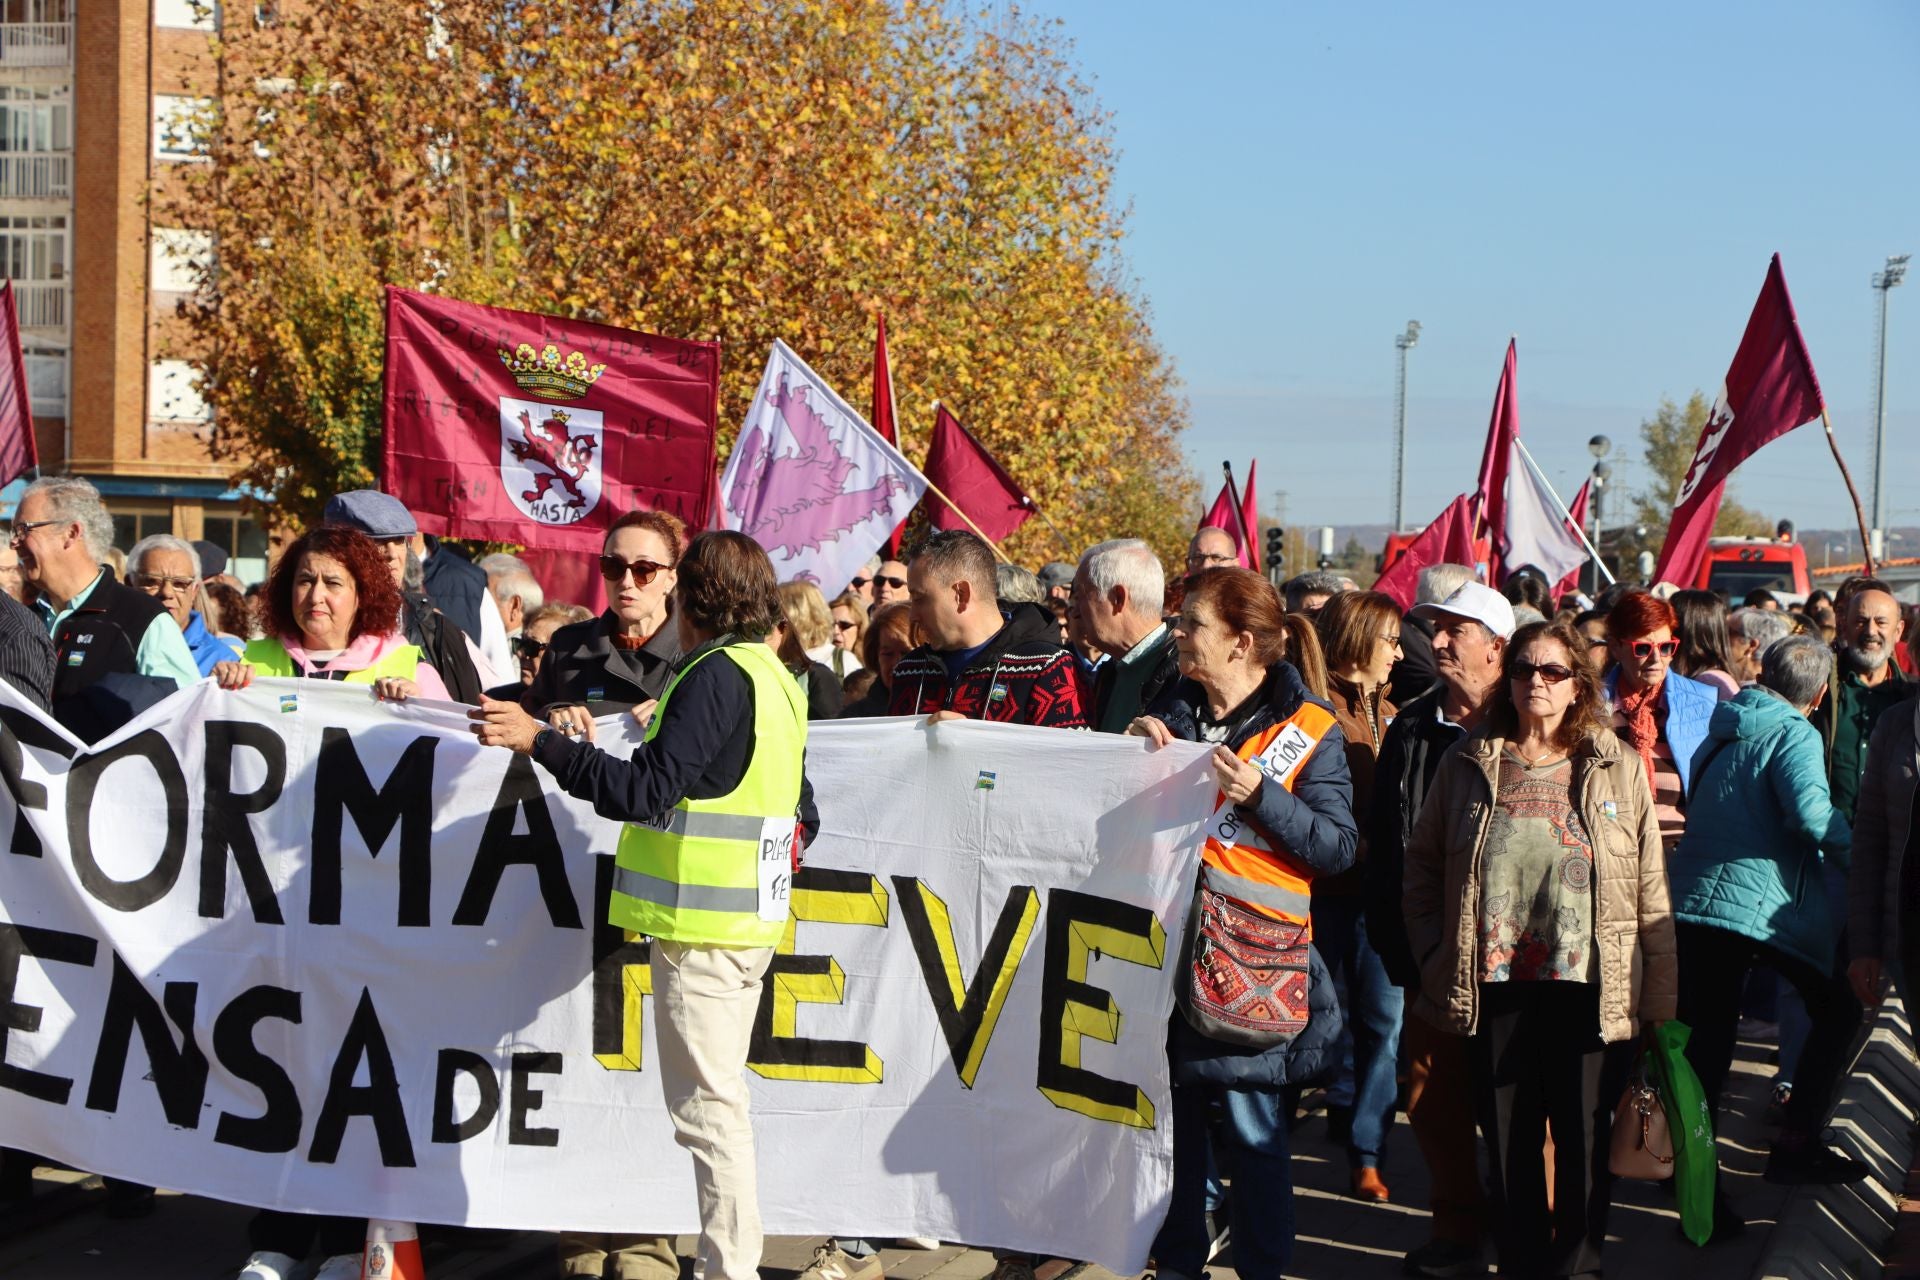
[{"x": 95, "y": 96}]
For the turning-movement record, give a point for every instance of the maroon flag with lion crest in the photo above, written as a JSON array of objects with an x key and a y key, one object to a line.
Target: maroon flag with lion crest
[{"x": 509, "y": 426}]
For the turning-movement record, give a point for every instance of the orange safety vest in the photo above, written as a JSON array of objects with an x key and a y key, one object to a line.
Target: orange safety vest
[{"x": 1239, "y": 861}]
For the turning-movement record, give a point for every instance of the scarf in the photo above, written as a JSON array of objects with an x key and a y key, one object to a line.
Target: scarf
[{"x": 1642, "y": 727}]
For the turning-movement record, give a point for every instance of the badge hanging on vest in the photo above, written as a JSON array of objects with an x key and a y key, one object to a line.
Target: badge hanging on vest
[{"x": 776, "y": 867}]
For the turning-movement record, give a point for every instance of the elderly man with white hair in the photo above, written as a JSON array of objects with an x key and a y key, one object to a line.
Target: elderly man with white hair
[
  {"x": 168, "y": 569},
  {"x": 1119, "y": 591},
  {"x": 1413, "y": 673}
]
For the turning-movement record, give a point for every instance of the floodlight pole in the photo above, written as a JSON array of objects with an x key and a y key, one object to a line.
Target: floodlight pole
[{"x": 1403, "y": 343}]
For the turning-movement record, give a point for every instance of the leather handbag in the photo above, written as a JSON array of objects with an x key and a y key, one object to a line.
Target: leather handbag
[
  {"x": 1642, "y": 1145},
  {"x": 1245, "y": 977}
]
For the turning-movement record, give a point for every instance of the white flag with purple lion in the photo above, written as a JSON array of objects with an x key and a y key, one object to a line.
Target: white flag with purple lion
[{"x": 810, "y": 481}]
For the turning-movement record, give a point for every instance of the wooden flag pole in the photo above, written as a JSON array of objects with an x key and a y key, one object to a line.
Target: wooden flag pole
[
  {"x": 934, "y": 489},
  {"x": 1866, "y": 539}
]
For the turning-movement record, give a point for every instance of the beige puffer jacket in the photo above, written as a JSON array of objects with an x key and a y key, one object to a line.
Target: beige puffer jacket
[{"x": 1633, "y": 931}]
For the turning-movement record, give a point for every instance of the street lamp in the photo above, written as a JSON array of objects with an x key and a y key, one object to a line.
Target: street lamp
[
  {"x": 1884, "y": 281},
  {"x": 1403, "y": 343},
  {"x": 1599, "y": 447}
]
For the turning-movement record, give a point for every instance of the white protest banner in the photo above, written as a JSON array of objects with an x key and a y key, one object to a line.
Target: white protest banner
[
  {"x": 810, "y": 481},
  {"x": 294, "y": 948}
]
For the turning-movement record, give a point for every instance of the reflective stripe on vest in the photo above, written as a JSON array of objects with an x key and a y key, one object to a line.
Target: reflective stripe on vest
[
  {"x": 1239, "y": 861},
  {"x": 704, "y": 872},
  {"x": 270, "y": 658}
]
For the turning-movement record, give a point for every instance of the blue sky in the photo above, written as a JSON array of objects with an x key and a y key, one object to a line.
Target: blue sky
[{"x": 1606, "y": 183}]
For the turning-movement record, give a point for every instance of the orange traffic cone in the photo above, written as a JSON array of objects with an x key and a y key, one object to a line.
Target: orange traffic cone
[{"x": 392, "y": 1253}]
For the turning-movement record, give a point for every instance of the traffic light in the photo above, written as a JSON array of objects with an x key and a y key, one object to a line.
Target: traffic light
[{"x": 1276, "y": 546}]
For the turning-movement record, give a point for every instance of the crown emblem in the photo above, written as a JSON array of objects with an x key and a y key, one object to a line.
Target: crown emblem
[{"x": 546, "y": 375}]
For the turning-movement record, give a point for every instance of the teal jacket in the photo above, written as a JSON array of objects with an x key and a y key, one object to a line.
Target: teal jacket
[{"x": 1757, "y": 823}]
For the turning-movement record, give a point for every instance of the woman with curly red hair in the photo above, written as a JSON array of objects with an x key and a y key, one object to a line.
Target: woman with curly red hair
[{"x": 334, "y": 613}]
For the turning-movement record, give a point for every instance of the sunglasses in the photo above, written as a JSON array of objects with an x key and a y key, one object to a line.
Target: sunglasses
[
  {"x": 1644, "y": 649},
  {"x": 860, "y": 584},
  {"x": 613, "y": 569},
  {"x": 528, "y": 647},
  {"x": 160, "y": 582},
  {"x": 841, "y": 624},
  {"x": 898, "y": 584},
  {"x": 1551, "y": 672}
]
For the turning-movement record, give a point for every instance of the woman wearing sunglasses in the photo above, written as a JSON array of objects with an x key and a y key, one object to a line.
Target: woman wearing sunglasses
[
  {"x": 623, "y": 659},
  {"x": 1536, "y": 905},
  {"x": 1659, "y": 713}
]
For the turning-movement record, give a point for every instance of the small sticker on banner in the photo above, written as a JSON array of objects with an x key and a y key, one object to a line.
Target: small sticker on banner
[
  {"x": 289, "y": 702},
  {"x": 1611, "y": 809},
  {"x": 595, "y": 695},
  {"x": 985, "y": 781},
  {"x": 776, "y": 867}
]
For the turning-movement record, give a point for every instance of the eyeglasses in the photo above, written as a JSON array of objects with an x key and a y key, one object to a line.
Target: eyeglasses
[
  {"x": 1392, "y": 640},
  {"x": 1212, "y": 558},
  {"x": 160, "y": 582},
  {"x": 1644, "y": 649},
  {"x": 528, "y": 647},
  {"x": 841, "y": 624},
  {"x": 613, "y": 569},
  {"x": 897, "y": 584},
  {"x": 26, "y": 527},
  {"x": 1551, "y": 672}
]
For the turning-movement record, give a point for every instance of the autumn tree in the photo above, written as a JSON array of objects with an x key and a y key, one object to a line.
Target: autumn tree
[{"x": 738, "y": 169}]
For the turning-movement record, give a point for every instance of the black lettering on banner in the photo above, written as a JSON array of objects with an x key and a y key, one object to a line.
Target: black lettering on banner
[
  {"x": 458, "y": 1062},
  {"x": 523, "y": 1099},
  {"x": 778, "y": 1051},
  {"x": 500, "y": 848},
  {"x": 378, "y": 1099},
  {"x": 1080, "y": 927},
  {"x": 84, "y": 779},
  {"x": 276, "y": 1129},
  {"x": 223, "y": 822},
  {"x": 179, "y": 1071},
  {"x": 968, "y": 1012},
  {"x": 341, "y": 787},
  {"x": 18, "y": 730},
  {"x": 48, "y": 946},
  {"x": 622, "y": 980}
]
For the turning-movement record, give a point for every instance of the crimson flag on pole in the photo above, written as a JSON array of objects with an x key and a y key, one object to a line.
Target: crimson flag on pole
[
  {"x": 1770, "y": 389},
  {"x": 1491, "y": 495},
  {"x": 19, "y": 451},
  {"x": 1448, "y": 540},
  {"x": 967, "y": 474},
  {"x": 1221, "y": 515},
  {"x": 514, "y": 427},
  {"x": 883, "y": 415},
  {"x": 1250, "y": 515}
]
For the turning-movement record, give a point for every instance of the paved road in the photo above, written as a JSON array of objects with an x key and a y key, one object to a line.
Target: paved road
[{"x": 189, "y": 1238}]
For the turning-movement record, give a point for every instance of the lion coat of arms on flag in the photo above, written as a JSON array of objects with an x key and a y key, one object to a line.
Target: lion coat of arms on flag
[{"x": 550, "y": 457}]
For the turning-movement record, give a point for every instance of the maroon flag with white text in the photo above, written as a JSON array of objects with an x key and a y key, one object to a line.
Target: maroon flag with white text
[
  {"x": 1770, "y": 389},
  {"x": 19, "y": 451},
  {"x": 509, "y": 426}
]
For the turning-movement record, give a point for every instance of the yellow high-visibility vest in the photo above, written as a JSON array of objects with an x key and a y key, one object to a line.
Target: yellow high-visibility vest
[{"x": 270, "y": 658}]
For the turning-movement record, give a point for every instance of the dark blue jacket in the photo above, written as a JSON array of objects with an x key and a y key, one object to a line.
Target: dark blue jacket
[
  {"x": 1313, "y": 822},
  {"x": 458, "y": 588},
  {"x": 1690, "y": 705}
]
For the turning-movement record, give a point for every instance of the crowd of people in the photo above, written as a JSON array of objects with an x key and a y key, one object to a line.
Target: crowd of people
[{"x": 1523, "y": 832}]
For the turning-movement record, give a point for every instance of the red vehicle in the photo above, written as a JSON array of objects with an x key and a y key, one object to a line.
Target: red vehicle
[
  {"x": 1735, "y": 566},
  {"x": 1397, "y": 544}
]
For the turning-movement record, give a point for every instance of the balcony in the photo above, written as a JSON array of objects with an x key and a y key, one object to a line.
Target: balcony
[
  {"x": 26, "y": 175},
  {"x": 42, "y": 305},
  {"x": 36, "y": 44}
]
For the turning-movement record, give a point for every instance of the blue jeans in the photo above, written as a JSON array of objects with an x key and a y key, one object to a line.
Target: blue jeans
[
  {"x": 1374, "y": 1007},
  {"x": 1247, "y": 1130}
]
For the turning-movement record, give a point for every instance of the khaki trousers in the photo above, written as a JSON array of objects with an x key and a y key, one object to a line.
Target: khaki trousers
[
  {"x": 620, "y": 1257},
  {"x": 705, "y": 998}
]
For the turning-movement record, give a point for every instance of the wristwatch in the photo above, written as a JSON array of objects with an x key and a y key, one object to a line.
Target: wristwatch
[{"x": 540, "y": 738}]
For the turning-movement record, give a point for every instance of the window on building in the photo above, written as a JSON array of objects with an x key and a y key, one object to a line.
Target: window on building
[
  {"x": 181, "y": 259},
  {"x": 36, "y": 11},
  {"x": 46, "y": 382},
  {"x": 178, "y": 130},
  {"x": 130, "y": 524},
  {"x": 244, "y": 542},
  {"x": 171, "y": 394},
  {"x": 36, "y": 118},
  {"x": 33, "y": 254},
  {"x": 195, "y": 15}
]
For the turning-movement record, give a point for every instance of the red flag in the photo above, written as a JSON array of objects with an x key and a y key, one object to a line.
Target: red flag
[
  {"x": 1578, "y": 510},
  {"x": 1448, "y": 540},
  {"x": 515, "y": 427},
  {"x": 1770, "y": 389},
  {"x": 967, "y": 474},
  {"x": 883, "y": 412},
  {"x": 567, "y": 577},
  {"x": 1250, "y": 515},
  {"x": 19, "y": 451},
  {"x": 1491, "y": 495},
  {"x": 1221, "y": 515}
]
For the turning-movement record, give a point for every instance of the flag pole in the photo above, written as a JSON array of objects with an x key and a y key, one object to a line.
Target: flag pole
[
  {"x": 934, "y": 489},
  {"x": 1034, "y": 507},
  {"x": 1239, "y": 516},
  {"x": 1562, "y": 507},
  {"x": 1866, "y": 541}
]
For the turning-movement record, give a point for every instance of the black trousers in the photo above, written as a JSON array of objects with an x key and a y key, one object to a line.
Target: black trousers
[
  {"x": 1714, "y": 964},
  {"x": 1539, "y": 1064},
  {"x": 295, "y": 1234}
]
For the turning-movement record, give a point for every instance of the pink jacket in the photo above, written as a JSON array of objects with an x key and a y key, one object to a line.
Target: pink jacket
[{"x": 364, "y": 653}]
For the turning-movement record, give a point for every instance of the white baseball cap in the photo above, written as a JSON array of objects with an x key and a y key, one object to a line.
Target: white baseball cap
[{"x": 1477, "y": 601}]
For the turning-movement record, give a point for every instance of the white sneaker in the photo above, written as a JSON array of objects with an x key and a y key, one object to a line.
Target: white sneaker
[
  {"x": 268, "y": 1265},
  {"x": 341, "y": 1266}
]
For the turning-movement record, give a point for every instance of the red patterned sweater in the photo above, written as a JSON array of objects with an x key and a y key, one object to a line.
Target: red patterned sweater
[{"x": 1023, "y": 676}]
